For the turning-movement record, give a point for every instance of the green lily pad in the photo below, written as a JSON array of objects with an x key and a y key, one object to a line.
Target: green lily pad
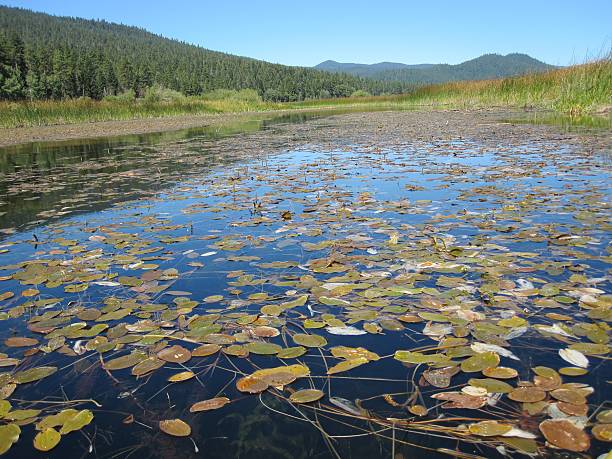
[
  {"x": 33, "y": 374},
  {"x": 47, "y": 439},
  {"x": 309, "y": 340},
  {"x": 479, "y": 362},
  {"x": 306, "y": 396}
]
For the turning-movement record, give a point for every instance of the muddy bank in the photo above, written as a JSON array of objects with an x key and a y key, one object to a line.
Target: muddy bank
[{"x": 422, "y": 124}]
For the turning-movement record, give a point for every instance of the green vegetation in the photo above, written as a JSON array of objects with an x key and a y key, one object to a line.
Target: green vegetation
[
  {"x": 48, "y": 57},
  {"x": 575, "y": 91}
]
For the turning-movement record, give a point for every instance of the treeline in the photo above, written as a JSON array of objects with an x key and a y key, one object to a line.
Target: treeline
[{"x": 49, "y": 57}]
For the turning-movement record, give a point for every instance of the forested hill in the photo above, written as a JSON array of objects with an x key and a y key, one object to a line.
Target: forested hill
[
  {"x": 43, "y": 56},
  {"x": 484, "y": 67}
]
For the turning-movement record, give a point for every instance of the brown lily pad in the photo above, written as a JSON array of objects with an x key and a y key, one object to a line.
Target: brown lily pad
[
  {"x": 460, "y": 400},
  {"x": 174, "y": 354},
  {"x": 251, "y": 385},
  {"x": 175, "y": 427},
  {"x": 565, "y": 435},
  {"x": 527, "y": 394},
  {"x": 210, "y": 404}
]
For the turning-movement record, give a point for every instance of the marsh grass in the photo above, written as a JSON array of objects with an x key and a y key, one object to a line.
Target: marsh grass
[{"x": 577, "y": 90}]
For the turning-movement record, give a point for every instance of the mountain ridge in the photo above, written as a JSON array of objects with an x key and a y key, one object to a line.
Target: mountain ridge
[{"x": 487, "y": 66}]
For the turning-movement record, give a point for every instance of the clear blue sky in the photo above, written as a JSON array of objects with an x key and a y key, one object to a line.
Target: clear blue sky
[{"x": 298, "y": 32}]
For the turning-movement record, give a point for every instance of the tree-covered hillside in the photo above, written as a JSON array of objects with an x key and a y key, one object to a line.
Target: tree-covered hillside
[
  {"x": 43, "y": 56},
  {"x": 484, "y": 67}
]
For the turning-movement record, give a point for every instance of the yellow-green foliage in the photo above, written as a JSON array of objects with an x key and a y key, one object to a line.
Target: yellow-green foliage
[{"x": 573, "y": 90}]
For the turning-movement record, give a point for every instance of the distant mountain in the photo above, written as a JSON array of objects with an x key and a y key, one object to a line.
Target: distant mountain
[{"x": 483, "y": 67}]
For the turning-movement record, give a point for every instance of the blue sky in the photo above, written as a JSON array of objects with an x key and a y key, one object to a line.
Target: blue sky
[{"x": 298, "y": 32}]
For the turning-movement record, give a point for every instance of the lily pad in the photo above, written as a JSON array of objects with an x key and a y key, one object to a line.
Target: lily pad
[
  {"x": 489, "y": 428},
  {"x": 175, "y": 427},
  {"x": 261, "y": 348},
  {"x": 210, "y": 404},
  {"x": 306, "y": 396},
  {"x": 251, "y": 384},
  {"x": 46, "y": 440},
  {"x": 9, "y": 434},
  {"x": 174, "y": 354},
  {"x": 565, "y": 435},
  {"x": 33, "y": 374},
  {"x": 77, "y": 422},
  {"x": 347, "y": 365},
  {"x": 527, "y": 394},
  {"x": 182, "y": 376},
  {"x": 309, "y": 340},
  {"x": 479, "y": 362}
]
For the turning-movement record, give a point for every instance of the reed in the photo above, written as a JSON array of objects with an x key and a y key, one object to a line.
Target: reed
[{"x": 576, "y": 90}]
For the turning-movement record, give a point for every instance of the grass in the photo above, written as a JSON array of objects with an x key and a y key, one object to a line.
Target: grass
[{"x": 577, "y": 90}]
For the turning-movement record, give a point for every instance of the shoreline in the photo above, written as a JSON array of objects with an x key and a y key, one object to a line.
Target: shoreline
[
  {"x": 117, "y": 128},
  {"x": 22, "y": 136}
]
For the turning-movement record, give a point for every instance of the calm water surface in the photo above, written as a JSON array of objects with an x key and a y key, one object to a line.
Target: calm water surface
[{"x": 182, "y": 239}]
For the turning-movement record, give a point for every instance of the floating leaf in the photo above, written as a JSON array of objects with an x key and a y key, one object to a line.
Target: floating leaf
[
  {"x": 210, "y": 404},
  {"x": 347, "y": 365},
  {"x": 500, "y": 372},
  {"x": 33, "y": 374},
  {"x": 492, "y": 386},
  {"x": 9, "y": 434},
  {"x": 291, "y": 352},
  {"x": 602, "y": 432},
  {"x": 77, "y": 422},
  {"x": 569, "y": 396},
  {"x": 251, "y": 384},
  {"x": 573, "y": 371},
  {"x": 175, "y": 427},
  {"x": 258, "y": 347},
  {"x": 527, "y": 394},
  {"x": 489, "y": 428},
  {"x": 344, "y": 352},
  {"x": 441, "y": 377},
  {"x": 182, "y": 376},
  {"x": 565, "y": 435},
  {"x": 574, "y": 357},
  {"x": 460, "y": 400},
  {"x": 479, "y": 362},
  {"x": 174, "y": 354},
  {"x": 47, "y": 439},
  {"x": 306, "y": 396},
  {"x": 418, "y": 410},
  {"x": 125, "y": 361},
  {"x": 205, "y": 350},
  {"x": 265, "y": 332},
  {"x": 417, "y": 357},
  {"x": 20, "y": 342},
  {"x": 309, "y": 340},
  {"x": 147, "y": 366}
]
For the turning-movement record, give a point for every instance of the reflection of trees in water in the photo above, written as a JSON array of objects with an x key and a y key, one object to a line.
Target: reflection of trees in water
[{"x": 45, "y": 184}]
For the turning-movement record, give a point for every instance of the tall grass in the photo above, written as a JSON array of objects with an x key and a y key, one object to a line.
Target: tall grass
[{"x": 575, "y": 90}]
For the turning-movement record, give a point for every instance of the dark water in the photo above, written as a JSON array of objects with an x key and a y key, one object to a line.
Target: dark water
[{"x": 473, "y": 233}]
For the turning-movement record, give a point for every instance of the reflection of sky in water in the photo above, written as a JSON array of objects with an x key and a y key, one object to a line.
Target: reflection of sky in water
[{"x": 431, "y": 180}]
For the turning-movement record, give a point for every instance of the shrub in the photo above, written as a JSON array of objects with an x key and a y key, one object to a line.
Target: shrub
[
  {"x": 158, "y": 93},
  {"x": 244, "y": 95},
  {"x": 126, "y": 96},
  {"x": 360, "y": 93}
]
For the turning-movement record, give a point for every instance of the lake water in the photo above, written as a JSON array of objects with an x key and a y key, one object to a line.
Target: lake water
[{"x": 235, "y": 238}]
